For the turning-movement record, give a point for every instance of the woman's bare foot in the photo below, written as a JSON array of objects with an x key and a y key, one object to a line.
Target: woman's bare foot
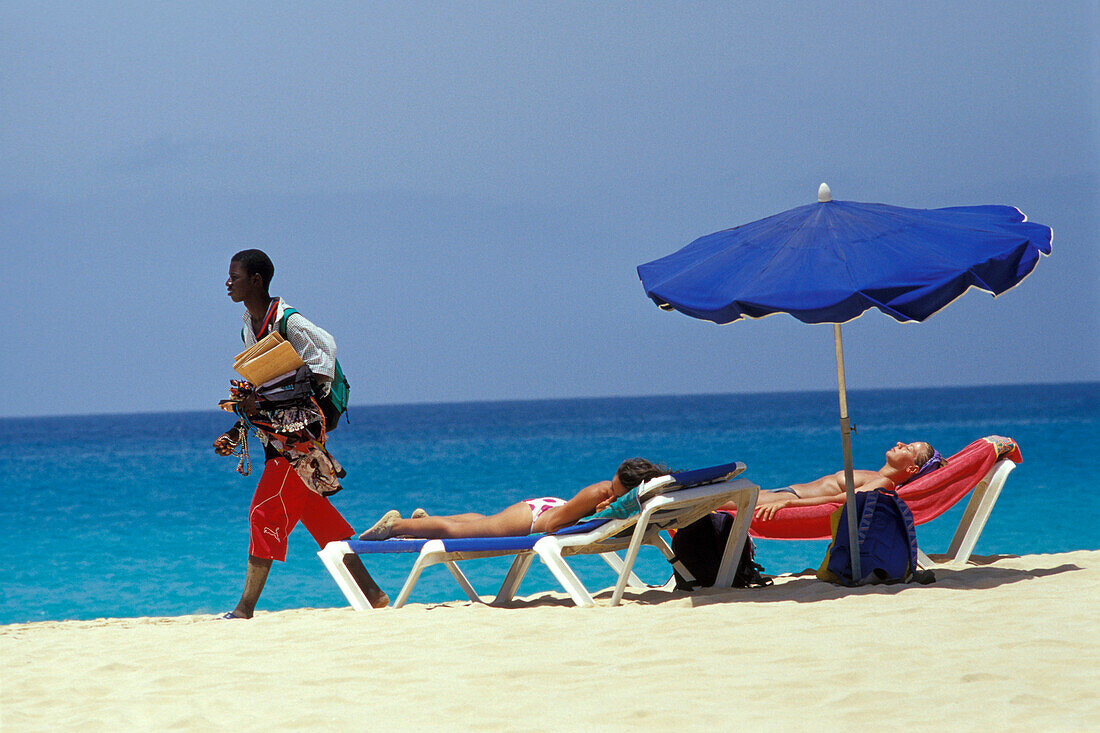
[
  {"x": 418, "y": 513},
  {"x": 383, "y": 527}
]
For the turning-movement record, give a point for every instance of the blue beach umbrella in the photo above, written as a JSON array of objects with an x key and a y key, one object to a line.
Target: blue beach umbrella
[{"x": 829, "y": 262}]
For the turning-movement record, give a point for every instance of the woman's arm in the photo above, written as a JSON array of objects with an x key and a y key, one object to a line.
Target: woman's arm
[{"x": 581, "y": 505}]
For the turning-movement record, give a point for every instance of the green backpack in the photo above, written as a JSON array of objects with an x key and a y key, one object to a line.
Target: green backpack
[{"x": 335, "y": 403}]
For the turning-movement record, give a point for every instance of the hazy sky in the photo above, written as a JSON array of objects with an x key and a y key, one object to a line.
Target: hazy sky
[{"x": 461, "y": 192}]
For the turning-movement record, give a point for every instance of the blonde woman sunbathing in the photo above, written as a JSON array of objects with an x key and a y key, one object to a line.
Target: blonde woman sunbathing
[
  {"x": 904, "y": 462},
  {"x": 545, "y": 514}
]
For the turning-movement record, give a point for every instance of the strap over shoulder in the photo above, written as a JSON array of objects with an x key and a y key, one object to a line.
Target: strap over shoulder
[{"x": 284, "y": 315}]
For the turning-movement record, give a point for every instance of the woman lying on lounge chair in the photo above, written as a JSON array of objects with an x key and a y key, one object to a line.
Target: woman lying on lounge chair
[
  {"x": 534, "y": 515},
  {"x": 904, "y": 462}
]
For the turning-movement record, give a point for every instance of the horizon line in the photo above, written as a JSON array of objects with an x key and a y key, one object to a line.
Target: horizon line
[{"x": 521, "y": 400}]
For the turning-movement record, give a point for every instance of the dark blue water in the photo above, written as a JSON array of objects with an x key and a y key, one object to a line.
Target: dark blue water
[{"x": 133, "y": 515}]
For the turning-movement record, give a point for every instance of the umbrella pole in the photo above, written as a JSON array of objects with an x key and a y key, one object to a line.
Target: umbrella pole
[{"x": 846, "y": 438}]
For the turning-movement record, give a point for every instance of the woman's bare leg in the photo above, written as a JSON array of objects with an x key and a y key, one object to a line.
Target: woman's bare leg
[
  {"x": 513, "y": 521},
  {"x": 467, "y": 517}
]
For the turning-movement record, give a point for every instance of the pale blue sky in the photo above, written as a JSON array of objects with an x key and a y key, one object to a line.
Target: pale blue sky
[{"x": 460, "y": 192}]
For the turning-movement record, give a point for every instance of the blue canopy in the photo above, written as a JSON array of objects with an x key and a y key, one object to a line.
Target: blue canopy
[{"x": 829, "y": 262}]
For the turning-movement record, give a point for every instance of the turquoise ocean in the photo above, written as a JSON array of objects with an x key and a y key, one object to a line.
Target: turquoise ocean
[{"x": 134, "y": 515}]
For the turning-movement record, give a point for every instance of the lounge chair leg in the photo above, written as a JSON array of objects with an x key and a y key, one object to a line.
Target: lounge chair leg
[
  {"x": 332, "y": 556},
  {"x": 616, "y": 563},
  {"x": 739, "y": 535},
  {"x": 661, "y": 544},
  {"x": 976, "y": 514},
  {"x": 514, "y": 577},
  {"x": 548, "y": 553},
  {"x": 463, "y": 581},
  {"x": 429, "y": 555},
  {"x": 632, "y": 553}
]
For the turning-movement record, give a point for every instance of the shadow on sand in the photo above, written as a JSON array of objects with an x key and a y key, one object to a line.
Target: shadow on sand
[{"x": 979, "y": 574}]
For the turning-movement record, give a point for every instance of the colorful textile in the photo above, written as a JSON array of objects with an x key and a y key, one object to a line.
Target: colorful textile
[
  {"x": 293, "y": 429},
  {"x": 928, "y": 497},
  {"x": 1005, "y": 447},
  {"x": 280, "y": 502}
]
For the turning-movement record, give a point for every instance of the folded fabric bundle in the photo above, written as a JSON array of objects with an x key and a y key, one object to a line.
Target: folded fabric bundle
[
  {"x": 292, "y": 388},
  {"x": 287, "y": 418}
]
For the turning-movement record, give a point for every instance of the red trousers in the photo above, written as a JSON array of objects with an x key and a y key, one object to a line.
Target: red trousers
[{"x": 280, "y": 502}]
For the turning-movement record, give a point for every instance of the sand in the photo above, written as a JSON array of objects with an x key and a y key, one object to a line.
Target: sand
[{"x": 1009, "y": 644}]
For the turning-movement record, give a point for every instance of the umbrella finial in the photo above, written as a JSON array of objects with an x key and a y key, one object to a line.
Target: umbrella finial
[{"x": 823, "y": 193}]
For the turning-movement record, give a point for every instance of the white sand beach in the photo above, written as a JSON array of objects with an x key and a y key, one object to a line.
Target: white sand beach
[{"x": 1009, "y": 644}]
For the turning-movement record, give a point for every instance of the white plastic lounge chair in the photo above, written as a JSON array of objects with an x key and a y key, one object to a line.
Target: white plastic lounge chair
[{"x": 667, "y": 502}]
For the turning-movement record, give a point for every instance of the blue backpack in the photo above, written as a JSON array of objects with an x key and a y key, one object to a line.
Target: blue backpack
[{"x": 887, "y": 543}]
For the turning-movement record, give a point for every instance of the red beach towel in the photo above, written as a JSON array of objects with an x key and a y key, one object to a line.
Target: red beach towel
[{"x": 928, "y": 496}]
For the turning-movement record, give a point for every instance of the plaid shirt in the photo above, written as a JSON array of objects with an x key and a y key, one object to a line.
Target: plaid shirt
[{"x": 314, "y": 345}]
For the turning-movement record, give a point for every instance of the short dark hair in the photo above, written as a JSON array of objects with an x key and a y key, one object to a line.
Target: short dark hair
[
  {"x": 255, "y": 262},
  {"x": 633, "y": 471},
  {"x": 926, "y": 454}
]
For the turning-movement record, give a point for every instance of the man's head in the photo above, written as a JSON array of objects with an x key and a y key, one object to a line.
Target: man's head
[{"x": 250, "y": 273}]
